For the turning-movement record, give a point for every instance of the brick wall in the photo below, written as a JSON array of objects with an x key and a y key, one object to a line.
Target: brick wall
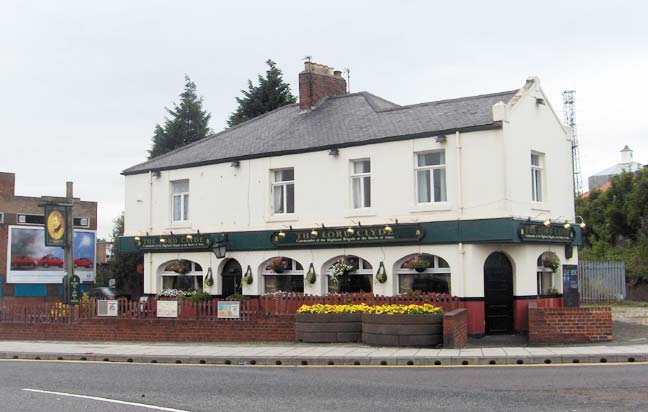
[
  {"x": 275, "y": 329},
  {"x": 455, "y": 328},
  {"x": 569, "y": 325}
]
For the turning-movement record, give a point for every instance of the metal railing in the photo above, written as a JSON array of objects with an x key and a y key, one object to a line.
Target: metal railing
[{"x": 601, "y": 281}]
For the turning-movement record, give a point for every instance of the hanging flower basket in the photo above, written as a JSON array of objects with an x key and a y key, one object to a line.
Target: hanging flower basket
[
  {"x": 311, "y": 277},
  {"x": 247, "y": 278},
  {"x": 278, "y": 265},
  {"x": 551, "y": 262},
  {"x": 209, "y": 279},
  {"x": 340, "y": 269},
  {"x": 381, "y": 275},
  {"x": 419, "y": 264}
]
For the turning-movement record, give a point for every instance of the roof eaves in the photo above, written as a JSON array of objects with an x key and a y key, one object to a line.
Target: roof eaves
[{"x": 475, "y": 128}]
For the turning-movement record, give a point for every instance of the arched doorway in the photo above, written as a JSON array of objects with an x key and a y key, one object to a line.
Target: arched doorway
[
  {"x": 498, "y": 293},
  {"x": 231, "y": 276}
]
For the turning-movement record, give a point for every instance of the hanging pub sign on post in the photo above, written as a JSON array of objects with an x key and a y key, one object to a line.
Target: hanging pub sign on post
[{"x": 55, "y": 225}]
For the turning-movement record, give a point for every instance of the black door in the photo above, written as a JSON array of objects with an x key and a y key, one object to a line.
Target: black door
[
  {"x": 498, "y": 293},
  {"x": 232, "y": 274}
]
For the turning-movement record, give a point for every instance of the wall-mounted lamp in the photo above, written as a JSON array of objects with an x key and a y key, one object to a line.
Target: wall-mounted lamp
[
  {"x": 441, "y": 138},
  {"x": 314, "y": 233},
  {"x": 350, "y": 231},
  {"x": 281, "y": 234},
  {"x": 157, "y": 174},
  {"x": 137, "y": 238},
  {"x": 566, "y": 225},
  {"x": 540, "y": 101},
  {"x": 582, "y": 223},
  {"x": 334, "y": 152},
  {"x": 547, "y": 222},
  {"x": 220, "y": 249},
  {"x": 189, "y": 236},
  {"x": 236, "y": 164},
  {"x": 388, "y": 228},
  {"x": 162, "y": 240}
]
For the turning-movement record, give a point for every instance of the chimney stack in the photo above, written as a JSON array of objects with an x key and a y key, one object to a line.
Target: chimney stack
[
  {"x": 7, "y": 184},
  {"x": 318, "y": 81}
]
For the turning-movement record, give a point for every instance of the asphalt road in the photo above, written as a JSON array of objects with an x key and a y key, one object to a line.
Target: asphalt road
[{"x": 356, "y": 389}]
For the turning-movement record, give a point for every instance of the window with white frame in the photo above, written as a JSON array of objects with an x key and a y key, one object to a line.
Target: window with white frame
[
  {"x": 430, "y": 177},
  {"x": 361, "y": 183},
  {"x": 357, "y": 277},
  {"x": 283, "y": 191},
  {"x": 424, "y": 273},
  {"x": 548, "y": 273},
  {"x": 282, "y": 274},
  {"x": 182, "y": 275},
  {"x": 180, "y": 200},
  {"x": 537, "y": 171}
]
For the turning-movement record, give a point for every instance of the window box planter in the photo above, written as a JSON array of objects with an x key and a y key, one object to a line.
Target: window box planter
[
  {"x": 328, "y": 328},
  {"x": 402, "y": 330}
]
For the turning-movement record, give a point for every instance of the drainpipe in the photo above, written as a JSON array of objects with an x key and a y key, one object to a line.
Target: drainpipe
[
  {"x": 460, "y": 209},
  {"x": 149, "y": 256},
  {"x": 150, "y": 203},
  {"x": 460, "y": 205}
]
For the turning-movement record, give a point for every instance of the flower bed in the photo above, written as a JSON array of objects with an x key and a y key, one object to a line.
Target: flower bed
[{"x": 380, "y": 325}]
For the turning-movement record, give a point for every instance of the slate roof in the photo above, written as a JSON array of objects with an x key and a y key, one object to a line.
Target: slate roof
[{"x": 337, "y": 122}]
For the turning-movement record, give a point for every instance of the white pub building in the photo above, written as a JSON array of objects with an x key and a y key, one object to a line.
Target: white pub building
[{"x": 470, "y": 196}]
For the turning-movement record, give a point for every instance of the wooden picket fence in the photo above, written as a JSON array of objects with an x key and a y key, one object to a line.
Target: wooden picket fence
[{"x": 251, "y": 308}]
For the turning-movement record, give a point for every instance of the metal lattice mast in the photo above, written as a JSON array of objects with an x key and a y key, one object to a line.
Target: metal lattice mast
[{"x": 569, "y": 102}]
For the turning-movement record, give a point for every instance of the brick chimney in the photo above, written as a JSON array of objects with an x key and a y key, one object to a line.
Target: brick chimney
[
  {"x": 7, "y": 184},
  {"x": 318, "y": 81}
]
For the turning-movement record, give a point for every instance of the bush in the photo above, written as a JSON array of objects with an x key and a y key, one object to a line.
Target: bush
[{"x": 200, "y": 296}]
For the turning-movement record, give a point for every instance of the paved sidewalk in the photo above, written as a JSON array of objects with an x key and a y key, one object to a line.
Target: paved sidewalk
[{"x": 315, "y": 354}]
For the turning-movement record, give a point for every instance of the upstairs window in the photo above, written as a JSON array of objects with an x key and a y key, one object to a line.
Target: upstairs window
[
  {"x": 283, "y": 191},
  {"x": 430, "y": 177},
  {"x": 537, "y": 171},
  {"x": 361, "y": 183},
  {"x": 180, "y": 200}
]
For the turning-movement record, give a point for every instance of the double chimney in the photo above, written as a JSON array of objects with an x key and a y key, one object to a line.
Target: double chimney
[{"x": 317, "y": 82}]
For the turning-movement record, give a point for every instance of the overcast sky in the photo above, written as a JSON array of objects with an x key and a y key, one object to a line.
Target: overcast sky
[{"x": 83, "y": 83}]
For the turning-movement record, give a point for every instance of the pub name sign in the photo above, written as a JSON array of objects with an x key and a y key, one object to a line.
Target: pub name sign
[
  {"x": 344, "y": 236},
  {"x": 174, "y": 242},
  {"x": 531, "y": 232}
]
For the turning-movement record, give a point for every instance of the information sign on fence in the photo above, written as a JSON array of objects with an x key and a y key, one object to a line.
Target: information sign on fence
[
  {"x": 167, "y": 308},
  {"x": 229, "y": 309},
  {"x": 107, "y": 307}
]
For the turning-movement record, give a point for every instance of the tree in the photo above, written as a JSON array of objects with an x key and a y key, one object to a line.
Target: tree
[
  {"x": 617, "y": 224},
  {"x": 270, "y": 94},
  {"x": 187, "y": 123},
  {"x": 123, "y": 267}
]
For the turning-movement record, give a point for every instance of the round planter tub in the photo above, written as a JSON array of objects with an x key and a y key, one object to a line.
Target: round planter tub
[
  {"x": 328, "y": 328},
  {"x": 402, "y": 330}
]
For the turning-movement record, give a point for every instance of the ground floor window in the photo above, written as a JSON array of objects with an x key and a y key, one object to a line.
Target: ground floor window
[
  {"x": 424, "y": 273},
  {"x": 548, "y": 265},
  {"x": 350, "y": 274},
  {"x": 282, "y": 274},
  {"x": 182, "y": 275}
]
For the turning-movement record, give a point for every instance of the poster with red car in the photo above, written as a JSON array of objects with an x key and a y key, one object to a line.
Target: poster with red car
[{"x": 30, "y": 261}]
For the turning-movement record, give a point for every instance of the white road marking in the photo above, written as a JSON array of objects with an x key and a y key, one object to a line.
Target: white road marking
[{"x": 96, "y": 398}]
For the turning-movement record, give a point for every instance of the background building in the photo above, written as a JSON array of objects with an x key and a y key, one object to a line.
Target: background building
[
  {"x": 28, "y": 269},
  {"x": 471, "y": 196},
  {"x": 602, "y": 179}
]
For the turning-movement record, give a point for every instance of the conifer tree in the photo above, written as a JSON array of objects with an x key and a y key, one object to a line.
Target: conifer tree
[
  {"x": 270, "y": 93},
  {"x": 187, "y": 122}
]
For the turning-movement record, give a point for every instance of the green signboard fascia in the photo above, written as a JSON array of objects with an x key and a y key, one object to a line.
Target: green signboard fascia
[{"x": 498, "y": 230}]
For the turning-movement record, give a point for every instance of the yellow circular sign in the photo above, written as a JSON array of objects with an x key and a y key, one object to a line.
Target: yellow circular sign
[{"x": 55, "y": 225}]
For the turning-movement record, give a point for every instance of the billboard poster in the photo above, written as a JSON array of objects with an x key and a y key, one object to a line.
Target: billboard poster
[{"x": 30, "y": 261}]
